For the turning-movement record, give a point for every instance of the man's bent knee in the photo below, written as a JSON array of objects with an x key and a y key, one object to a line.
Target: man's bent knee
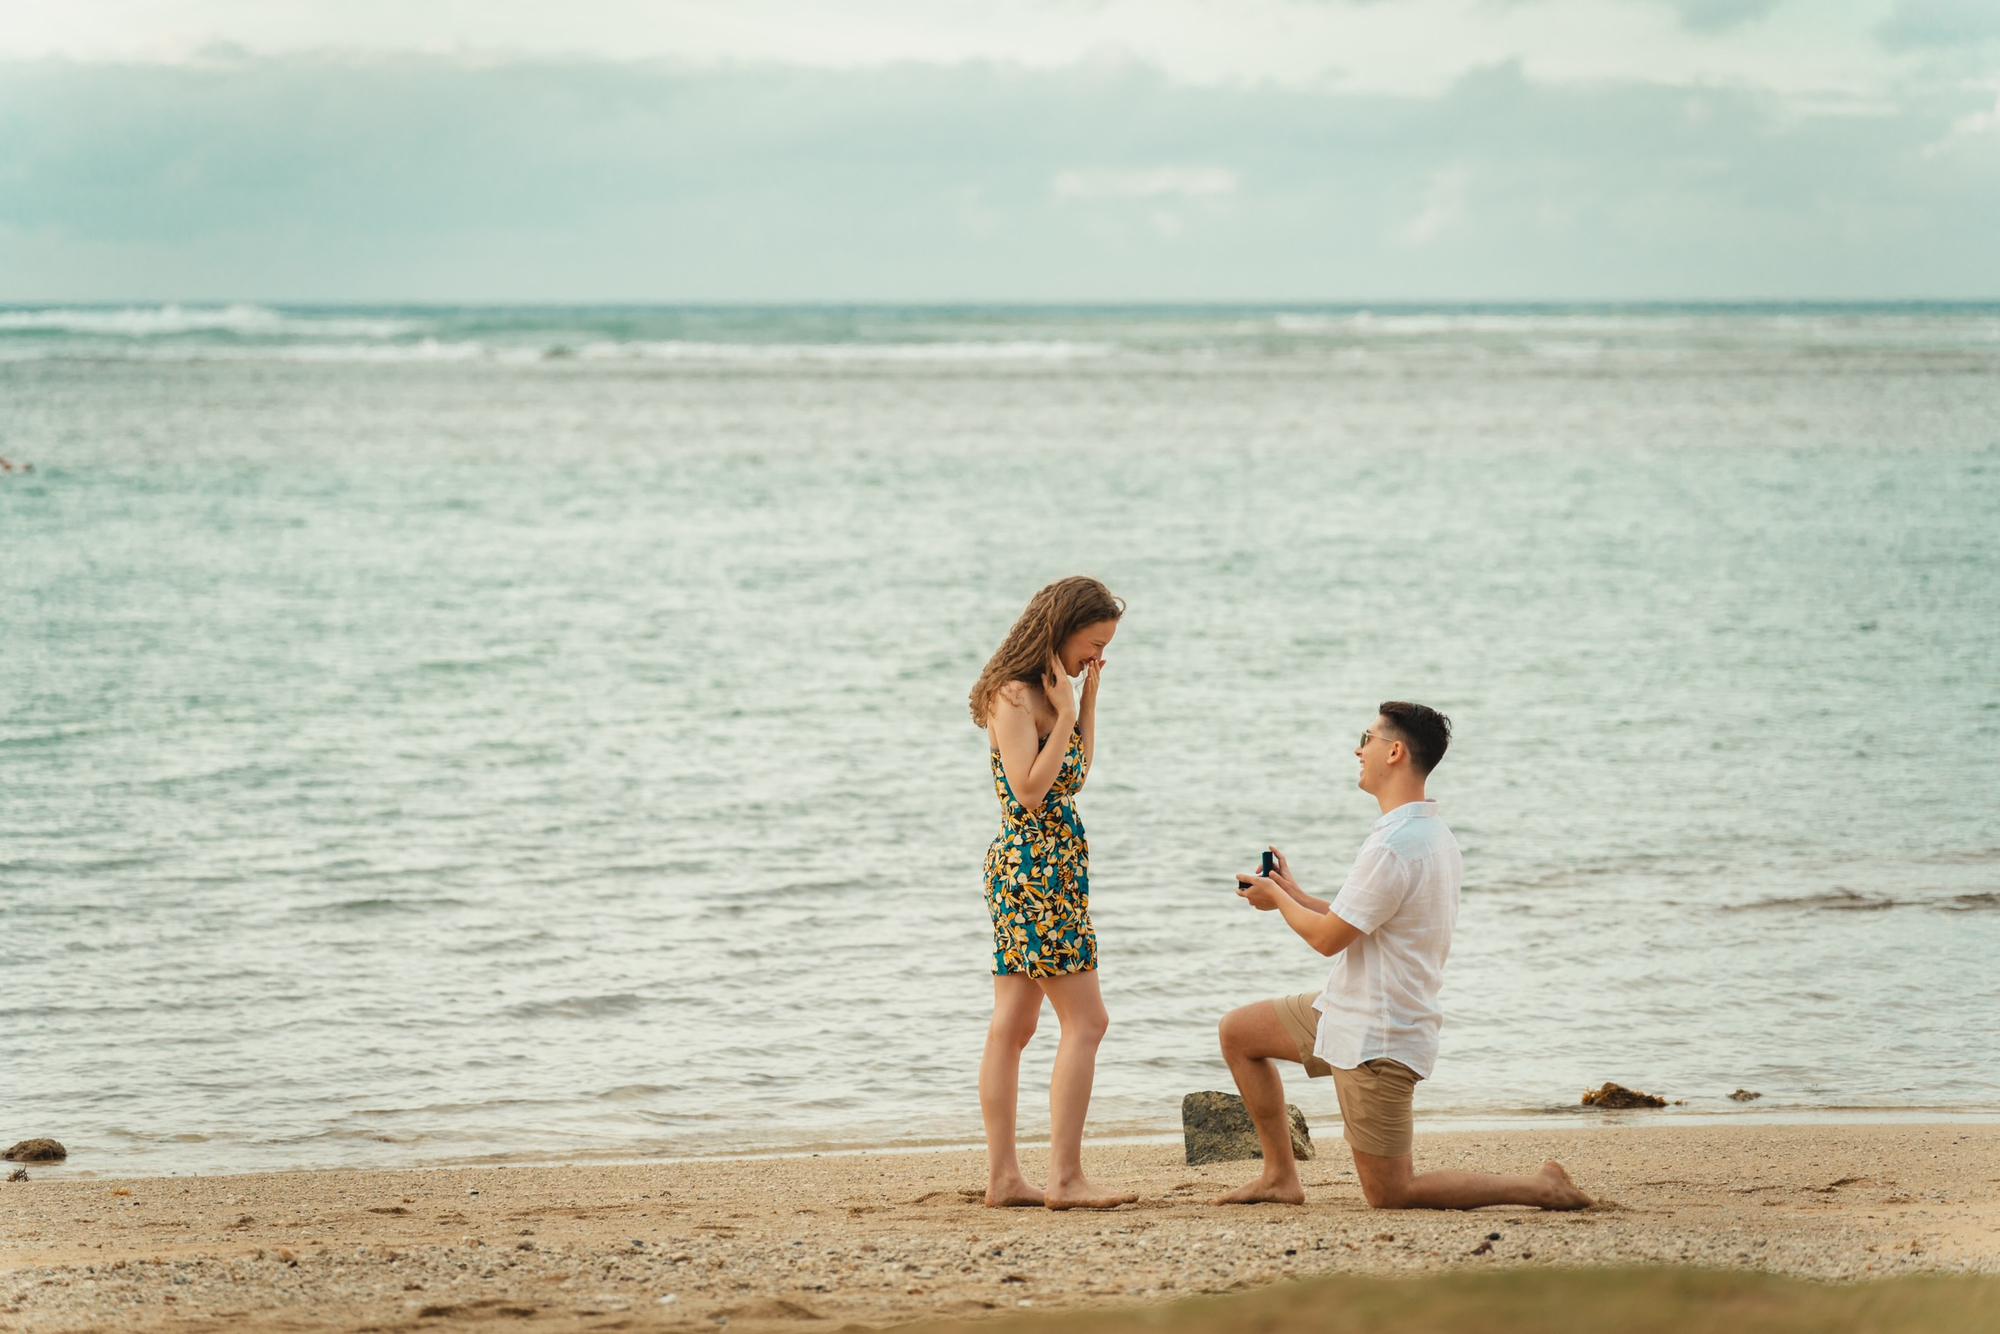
[
  {"x": 1385, "y": 1182},
  {"x": 1234, "y": 1030},
  {"x": 1385, "y": 1196}
]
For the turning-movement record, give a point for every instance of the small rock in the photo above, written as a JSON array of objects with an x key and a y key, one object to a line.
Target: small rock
[
  {"x": 1483, "y": 1248},
  {"x": 668, "y": 1300},
  {"x": 1493, "y": 1236},
  {"x": 473, "y": 1191},
  {"x": 1617, "y": 1096},
  {"x": 1744, "y": 1095},
  {"x": 1217, "y": 1129},
  {"x": 36, "y": 1151}
]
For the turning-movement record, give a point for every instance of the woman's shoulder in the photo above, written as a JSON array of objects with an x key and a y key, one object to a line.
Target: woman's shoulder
[{"x": 1013, "y": 694}]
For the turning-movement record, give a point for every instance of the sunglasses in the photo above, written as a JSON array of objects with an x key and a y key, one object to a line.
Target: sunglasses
[{"x": 1369, "y": 736}]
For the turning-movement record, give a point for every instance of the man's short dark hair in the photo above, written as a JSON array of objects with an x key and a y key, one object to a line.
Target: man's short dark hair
[{"x": 1423, "y": 729}]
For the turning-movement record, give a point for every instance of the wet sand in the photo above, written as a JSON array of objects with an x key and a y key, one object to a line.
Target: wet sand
[{"x": 818, "y": 1242}]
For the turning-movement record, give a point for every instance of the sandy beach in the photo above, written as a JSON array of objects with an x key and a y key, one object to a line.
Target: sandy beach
[{"x": 884, "y": 1238}]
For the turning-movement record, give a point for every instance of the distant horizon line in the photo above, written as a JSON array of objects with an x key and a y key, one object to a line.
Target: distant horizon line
[{"x": 943, "y": 303}]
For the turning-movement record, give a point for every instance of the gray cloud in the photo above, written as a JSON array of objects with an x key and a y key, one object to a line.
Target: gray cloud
[
  {"x": 1707, "y": 16},
  {"x": 1941, "y": 23},
  {"x": 1720, "y": 15},
  {"x": 416, "y": 178}
]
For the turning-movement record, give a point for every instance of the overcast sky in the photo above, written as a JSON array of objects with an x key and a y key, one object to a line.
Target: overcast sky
[{"x": 1028, "y": 150}]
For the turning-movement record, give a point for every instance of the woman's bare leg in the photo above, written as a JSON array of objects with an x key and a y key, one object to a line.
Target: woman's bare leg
[
  {"x": 1080, "y": 1010},
  {"x": 1017, "y": 1005}
]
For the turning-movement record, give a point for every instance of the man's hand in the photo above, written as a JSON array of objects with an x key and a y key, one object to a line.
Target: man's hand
[
  {"x": 1283, "y": 875},
  {"x": 1262, "y": 892}
]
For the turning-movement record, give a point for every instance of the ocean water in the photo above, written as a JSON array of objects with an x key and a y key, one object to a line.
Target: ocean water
[{"x": 438, "y": 734}]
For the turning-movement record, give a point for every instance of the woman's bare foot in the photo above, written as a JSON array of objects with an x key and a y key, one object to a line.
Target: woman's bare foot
[
  {"x": 1267, "y": 1190},
  {"x": 1012, "y": 1193},
  {"x": 1080, "y": 1194},
  {"x": 1563, "y": 1192}
]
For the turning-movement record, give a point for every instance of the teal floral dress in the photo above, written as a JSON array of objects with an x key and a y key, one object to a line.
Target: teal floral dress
[{"x": 1038, "y": 877}]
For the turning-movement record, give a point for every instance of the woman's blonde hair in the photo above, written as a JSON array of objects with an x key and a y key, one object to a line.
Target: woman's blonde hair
[{"x": 1052, "y": 616}]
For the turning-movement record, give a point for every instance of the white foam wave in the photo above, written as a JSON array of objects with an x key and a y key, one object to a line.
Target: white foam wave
[
  {"x": 170, "y": 320},
  {"x": 426, "y": 349},
  {"x": 686, "y": 353},
  {"x": 1412, "y": 323},
  {"x": 1561, "y": 326},
  {"x": 1412, "y": 337},
  {"x": 423, "y": 350},
  {"x": 1019, "y": 350}
]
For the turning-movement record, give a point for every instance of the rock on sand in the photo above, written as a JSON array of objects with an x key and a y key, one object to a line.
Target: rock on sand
[{"x": 1219, "y": 1130}]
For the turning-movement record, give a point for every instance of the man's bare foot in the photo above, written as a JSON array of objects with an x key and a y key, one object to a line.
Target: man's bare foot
[
  {"x": 1264, "y": 1190},
  {"x": 1562, "y": 1192},
  {"x": 1080, "y": 1194},
  {"x": 1012, "y": 1193}
]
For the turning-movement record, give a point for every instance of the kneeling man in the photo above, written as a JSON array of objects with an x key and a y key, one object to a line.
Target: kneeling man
[{"x": 1374, "y": 1027}]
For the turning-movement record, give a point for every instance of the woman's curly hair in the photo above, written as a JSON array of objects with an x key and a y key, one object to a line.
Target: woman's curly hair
[{"x": 1052, "y": 616}]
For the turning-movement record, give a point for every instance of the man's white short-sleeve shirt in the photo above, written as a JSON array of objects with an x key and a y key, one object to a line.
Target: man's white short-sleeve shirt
[{"x": 1402, "y": 895}]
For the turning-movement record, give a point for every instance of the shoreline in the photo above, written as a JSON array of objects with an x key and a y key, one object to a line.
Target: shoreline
[
  {"x": 880, "y": 1238},
  {"x": 1585, "y": 1120}
]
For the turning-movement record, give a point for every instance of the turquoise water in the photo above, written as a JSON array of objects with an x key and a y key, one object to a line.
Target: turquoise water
[{"x": 441, "y": 733}]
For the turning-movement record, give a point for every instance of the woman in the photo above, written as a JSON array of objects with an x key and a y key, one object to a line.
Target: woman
[{"x": 1038, "y": 881}]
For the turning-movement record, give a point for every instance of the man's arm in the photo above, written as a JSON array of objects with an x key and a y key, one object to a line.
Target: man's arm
[
  {"x": 1303, "y": 899},
  {"x": 1321, "y": 927}
]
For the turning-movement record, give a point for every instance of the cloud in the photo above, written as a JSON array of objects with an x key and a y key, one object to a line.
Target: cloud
[
  {"x": 1406, "y": 47},
  {"x": 1443, "y": 207},
  {"x": 1143, "y": 182},
  {"x": 1941, "y": 23},
  {"x": 1720, "y": 15},
  {"x": 1975, "y": 125},
  {"x": 429, "y": 178}
]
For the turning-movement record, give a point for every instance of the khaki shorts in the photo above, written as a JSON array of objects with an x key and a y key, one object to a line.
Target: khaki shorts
[{"x": 1375, "y": 1097}]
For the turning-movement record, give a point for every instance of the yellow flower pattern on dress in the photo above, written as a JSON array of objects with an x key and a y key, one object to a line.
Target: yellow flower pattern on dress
[{"x": 1038, "y": 877}]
